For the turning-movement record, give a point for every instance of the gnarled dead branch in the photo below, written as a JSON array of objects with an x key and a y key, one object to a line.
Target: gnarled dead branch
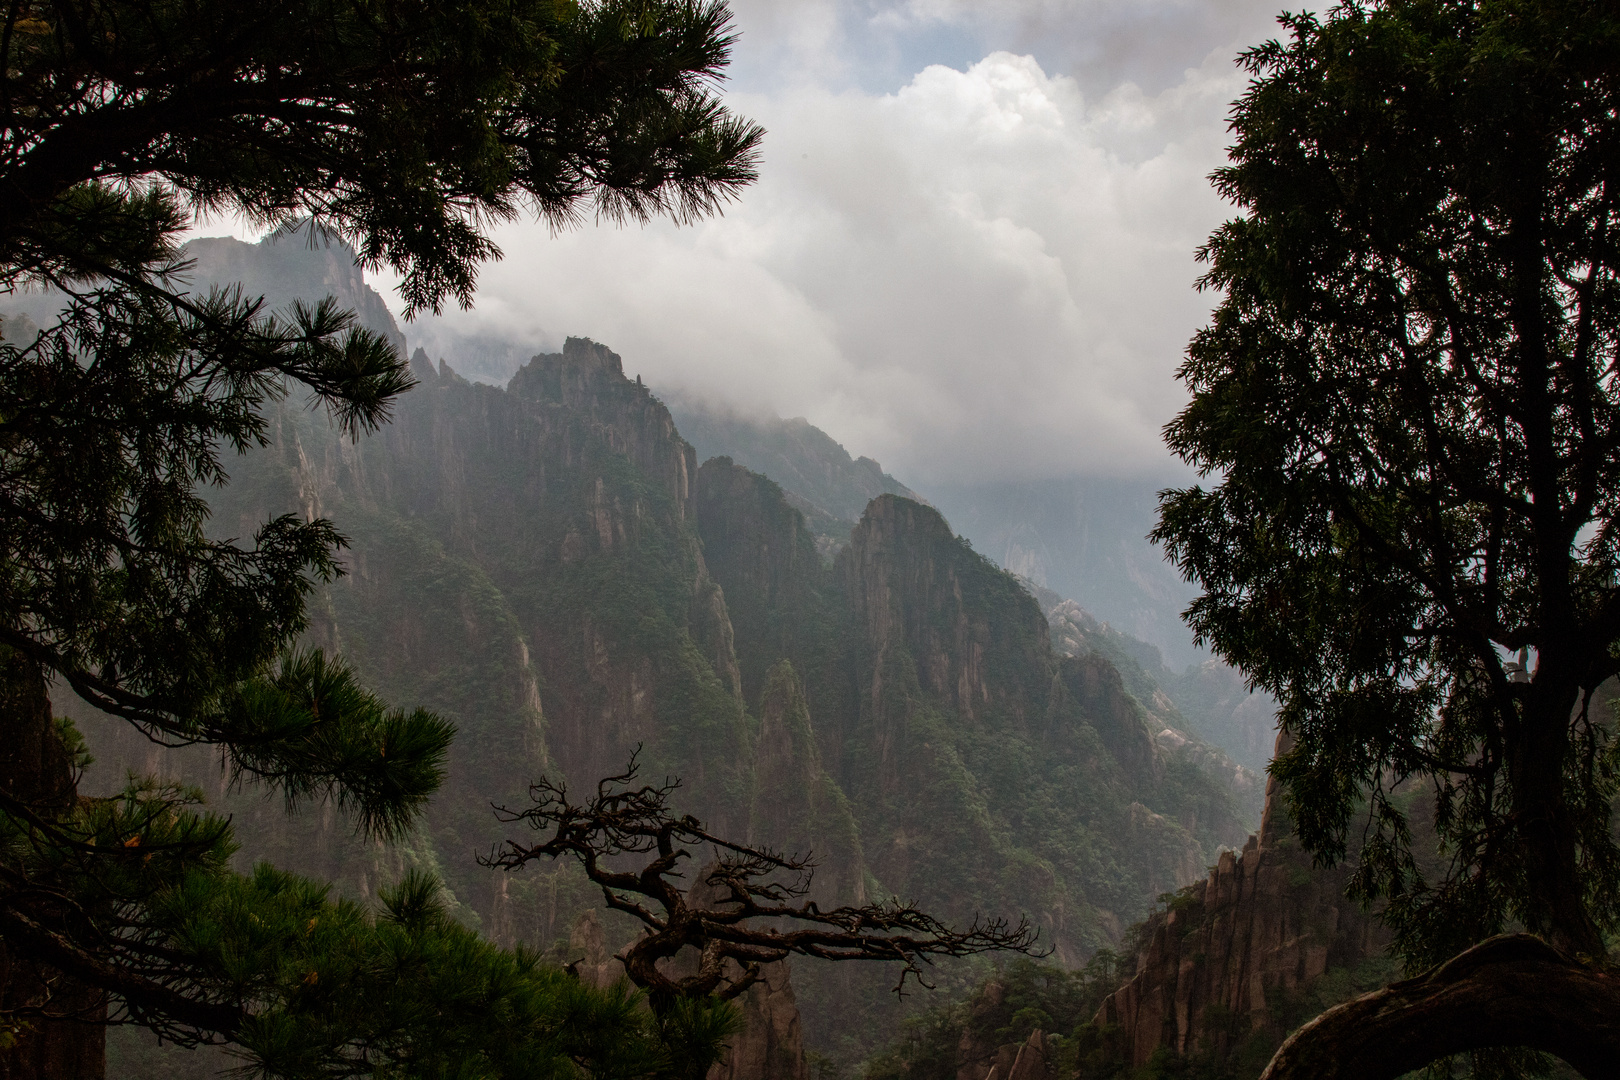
[{"x": 759, "y": 913}]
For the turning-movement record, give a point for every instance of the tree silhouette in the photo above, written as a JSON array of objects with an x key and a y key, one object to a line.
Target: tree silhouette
[{"x": 754, "y": 910}]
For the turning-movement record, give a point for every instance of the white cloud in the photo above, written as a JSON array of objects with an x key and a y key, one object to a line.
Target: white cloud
[
  {"x": 981, "y": 274},
  {"x": 880, "y": 44}
]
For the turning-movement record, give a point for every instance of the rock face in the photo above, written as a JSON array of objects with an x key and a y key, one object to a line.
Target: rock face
[
  {"x": 799, "y": 808},
  {"x": 771, "y": 1044},
  {"x": 980, "y": 1059},
  {"x": 1095, "y": 686},
  {"x": 760, "y": 550},
  {"x": 967, "y": 740},
  {"x": 572, "y": 491},
  {"x": 941, "y": 716},
  {"x": 976, "y": 637},
  {"x": 1214, "y": 720},
  {"x": 823, "y": 482},
  {"x": 294, "y": 266},
  {"x": 1013, "y": 1061},
  {"x": 1263, "y": 922},
  {"x": 1085, "y": 538},
  {"x": 547, "y": 566},
  {"x": 1030, "y": 1063},
  {"x": 524, "y": 562},
  {"x": 589, "y": 960}
]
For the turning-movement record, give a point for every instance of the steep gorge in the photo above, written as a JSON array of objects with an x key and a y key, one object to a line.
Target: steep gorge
[
  {"x": 986, "y": 773},
  {"x": 547, "y": 566}
]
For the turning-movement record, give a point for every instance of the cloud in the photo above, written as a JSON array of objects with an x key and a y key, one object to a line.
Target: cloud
[
  {"x": 983, "y": 274},
  {"x": 880, "y": 44}
]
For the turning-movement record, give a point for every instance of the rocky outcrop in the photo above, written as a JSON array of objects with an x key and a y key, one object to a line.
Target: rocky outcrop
[
  {"x": 511, "y": 549},
  {"x": 760, "y": 551},
  {"x": 975, "y": 635},
  {"x": 553, "y": 544},
  {"x": 1015, "y": 1061},
  {"x": 1208, "y": 703},
  {"x": 818, "y": 475},
  {"x": 771, "y": 1043},
  {"x": 798, "y": 808},
  {"x": 584, "y": 388},
  {"x": 1263, "y": 924},
  {"x": 588, "y": 958},
  {"x": 294, "y": 265},
  {"x": 1188, "y": 724},
  {"x": 1096, "y": 687},
  {"x": 573, "y": 493},
  {"x": 979, "y": 1058}
]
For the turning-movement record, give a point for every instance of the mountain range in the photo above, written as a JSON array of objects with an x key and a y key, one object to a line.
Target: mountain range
[{"x": 797, "y": 636}]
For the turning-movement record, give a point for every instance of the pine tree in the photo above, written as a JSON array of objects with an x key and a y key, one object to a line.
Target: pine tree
[{"x": 405, "y": 128}]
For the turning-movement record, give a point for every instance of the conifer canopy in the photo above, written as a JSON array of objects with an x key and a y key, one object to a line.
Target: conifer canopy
[
  {"x": 406, "y": 128},
  {"x": 1407, "y": 402}
]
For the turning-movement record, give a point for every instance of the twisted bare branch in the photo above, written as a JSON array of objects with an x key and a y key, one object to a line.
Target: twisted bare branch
[{"x": 749, "y": 906}]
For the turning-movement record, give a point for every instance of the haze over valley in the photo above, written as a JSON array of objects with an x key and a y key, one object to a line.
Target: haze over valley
[
  {"x": 554, "y": 566},
  {"x": 832, "y": 540}
]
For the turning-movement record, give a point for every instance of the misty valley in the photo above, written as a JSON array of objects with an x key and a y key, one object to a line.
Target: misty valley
[
  {"x": 1218, "y": 677},
  {"x": 825, "y": 667}
]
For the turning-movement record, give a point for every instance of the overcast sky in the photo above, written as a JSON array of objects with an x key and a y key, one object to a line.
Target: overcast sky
[{"x": 970, "y": 251}]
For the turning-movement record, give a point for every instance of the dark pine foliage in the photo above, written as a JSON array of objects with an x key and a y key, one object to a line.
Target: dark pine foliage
[
  {"x": 1407, "y": 399},
  {"x": 406, "y": 128}
]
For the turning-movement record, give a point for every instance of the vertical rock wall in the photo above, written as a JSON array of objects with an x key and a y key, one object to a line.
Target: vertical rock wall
[
  {"x": 771, "y": 1044},
  {"x": 1264, "y": 923},
  {"x": 979, "y": 641},
  {"x": 978, "y": 1058},
  {"x": 798, "y": 808}
]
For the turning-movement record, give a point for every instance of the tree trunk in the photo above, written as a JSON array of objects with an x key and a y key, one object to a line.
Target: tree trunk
[
  {"x": 1513, "y": 990},
  {"x": 58, "y": 1023},
  {"x": 1548, "y": 834}
]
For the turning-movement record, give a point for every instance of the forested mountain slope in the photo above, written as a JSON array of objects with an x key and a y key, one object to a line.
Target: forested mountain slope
[
  {"x": 548, "y": 566},
  {"x": 1203, "y": 989},
  {"x": 1086, "y": 545},
  {"x": 817, "y": 475}
]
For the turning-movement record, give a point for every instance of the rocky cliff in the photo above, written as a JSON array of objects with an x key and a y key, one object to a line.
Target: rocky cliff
[
  {"x": 298, "y": 264},
  {"x": 760, "y": 550},
  {"x": 1027, "y": 1060},
  {"x": 977, "y": 639},
  {"x": 971, "y": 744},
  {"x": 984, "y": 773},
  {"x": 1223, "y": 712},
  {"x": 1083, "y": 537},
  {"x": 818, "y": 476},
  {"x": 1225, "y": 966},
  {"x": 524, "y": 562},
  {"x": 798, "y": 807}
]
